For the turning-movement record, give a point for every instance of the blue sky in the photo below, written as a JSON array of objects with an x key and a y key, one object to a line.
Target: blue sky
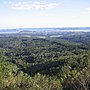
[{"x": 44, "y": 13}]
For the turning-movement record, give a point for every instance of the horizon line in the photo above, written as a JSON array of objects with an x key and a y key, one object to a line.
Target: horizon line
[{"x": 47, "y": 28}]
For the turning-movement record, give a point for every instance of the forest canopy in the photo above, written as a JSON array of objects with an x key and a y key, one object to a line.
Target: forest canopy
[{"x": 50, "y": 63}]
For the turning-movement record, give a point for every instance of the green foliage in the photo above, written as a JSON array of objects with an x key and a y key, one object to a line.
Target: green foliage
[{"x": 45, "y": 64}]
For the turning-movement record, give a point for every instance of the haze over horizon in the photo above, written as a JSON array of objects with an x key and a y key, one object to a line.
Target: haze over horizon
[{"x": 44, "y": 13}]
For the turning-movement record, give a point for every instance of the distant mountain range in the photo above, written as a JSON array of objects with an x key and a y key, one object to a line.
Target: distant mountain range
[{"x": 34, "y": 30}]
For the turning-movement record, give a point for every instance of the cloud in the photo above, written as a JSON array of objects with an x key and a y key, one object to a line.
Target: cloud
[
  {"x": 88, "y": 9},
  {"x": 74, "y": 16},
  {"x": 31, "y": 5}
]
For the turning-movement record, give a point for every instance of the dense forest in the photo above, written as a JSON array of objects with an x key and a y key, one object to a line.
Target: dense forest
[{"x": 49, "y": 63}]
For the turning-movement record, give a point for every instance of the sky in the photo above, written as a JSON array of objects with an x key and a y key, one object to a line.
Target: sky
[{"x": 44, "y": 13}]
